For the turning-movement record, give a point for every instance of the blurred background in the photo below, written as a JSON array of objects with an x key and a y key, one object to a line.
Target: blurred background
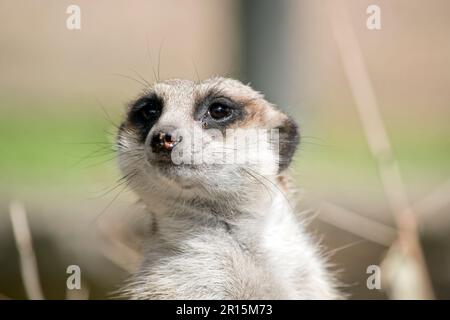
[{"x": 62, "y": 91}]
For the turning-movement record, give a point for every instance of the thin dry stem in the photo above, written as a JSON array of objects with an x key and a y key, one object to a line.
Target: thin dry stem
[
  {"x": 378, "y": 141},
  {"x": 357, "y": 224},
  {"x": 28, "y": 264}
]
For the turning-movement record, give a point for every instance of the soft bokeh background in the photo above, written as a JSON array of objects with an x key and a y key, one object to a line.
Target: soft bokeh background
[{"x": 61, "y": 91}]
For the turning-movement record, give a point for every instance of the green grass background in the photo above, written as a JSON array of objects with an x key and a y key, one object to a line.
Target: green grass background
[{"x": 63, "y": 144}]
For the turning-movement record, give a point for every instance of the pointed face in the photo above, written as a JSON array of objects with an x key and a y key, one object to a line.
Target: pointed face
[{"x": 208, "y": 134}]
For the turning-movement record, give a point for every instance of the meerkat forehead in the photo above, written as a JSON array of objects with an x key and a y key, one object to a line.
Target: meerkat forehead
[{"x": 189, "y": 90}]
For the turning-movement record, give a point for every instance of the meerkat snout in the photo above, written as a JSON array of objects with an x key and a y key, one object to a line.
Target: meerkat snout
[
  {"x": 209, "y": 160},
  {"x": 164, "y": 140}
]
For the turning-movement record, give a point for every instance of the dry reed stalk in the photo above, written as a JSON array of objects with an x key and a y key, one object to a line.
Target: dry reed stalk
[
  {"x": 24, "y": 242},
  {"x": 361, "y": 87}
]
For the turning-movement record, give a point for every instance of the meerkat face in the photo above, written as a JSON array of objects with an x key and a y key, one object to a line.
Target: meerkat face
[{"x": 209, "y": 134}]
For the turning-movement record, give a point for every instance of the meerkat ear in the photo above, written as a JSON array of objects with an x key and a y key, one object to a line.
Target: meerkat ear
[{"x": 289, "y": 139}]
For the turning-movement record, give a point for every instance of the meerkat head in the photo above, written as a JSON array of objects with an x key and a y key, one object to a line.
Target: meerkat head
[{"x": 213, "y": 136}]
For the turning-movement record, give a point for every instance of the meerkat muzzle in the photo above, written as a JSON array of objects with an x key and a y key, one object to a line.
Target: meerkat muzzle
[{"x": 164, "y": 142}]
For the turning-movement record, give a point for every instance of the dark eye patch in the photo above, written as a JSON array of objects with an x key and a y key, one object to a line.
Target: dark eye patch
[
  {"x": 217, "y": 111},
  {"x": 144, "y": 113}
]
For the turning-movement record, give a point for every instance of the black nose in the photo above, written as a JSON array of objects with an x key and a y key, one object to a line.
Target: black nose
[{"x": 163, "y": 141}]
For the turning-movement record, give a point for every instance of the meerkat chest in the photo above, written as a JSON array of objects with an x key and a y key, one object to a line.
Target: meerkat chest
[{"x": 210, "y": 265}]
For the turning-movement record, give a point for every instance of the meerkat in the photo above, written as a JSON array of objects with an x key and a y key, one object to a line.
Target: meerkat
[{"x": 220, "y": 230}]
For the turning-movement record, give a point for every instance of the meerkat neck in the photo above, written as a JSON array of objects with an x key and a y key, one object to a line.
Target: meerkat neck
[{"x": 190, "y": 210}]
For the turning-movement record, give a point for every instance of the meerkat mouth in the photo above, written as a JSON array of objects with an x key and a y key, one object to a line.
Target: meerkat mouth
[{"x": 165, "y": 164}]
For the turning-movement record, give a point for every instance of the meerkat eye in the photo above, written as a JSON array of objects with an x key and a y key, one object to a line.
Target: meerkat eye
[
  {"x": 143, "y": 114},
  {"x": 150, "y": 110},
  {"x": 146, "y": 110},
  {"x": 219, "y": 111}
]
